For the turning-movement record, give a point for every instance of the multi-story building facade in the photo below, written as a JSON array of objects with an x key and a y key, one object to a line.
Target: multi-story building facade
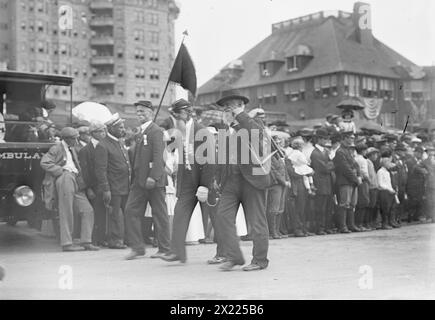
[
  {"x": 117, "y": 51},
  {"x": 309, "y": 64}
]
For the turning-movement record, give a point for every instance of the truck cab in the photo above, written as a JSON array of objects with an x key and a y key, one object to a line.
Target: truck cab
[{"x": 26, "y": 133}]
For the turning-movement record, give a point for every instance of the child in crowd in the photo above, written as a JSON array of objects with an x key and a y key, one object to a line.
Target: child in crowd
[{"x": 300, "y": 164}]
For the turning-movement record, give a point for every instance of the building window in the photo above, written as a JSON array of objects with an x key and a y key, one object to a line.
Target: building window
[
  {"x": 140, "y": 73},
  {"x": 386, "y": 89},
  {"x": 40, "y": 26},
  {"x": 23, "y": 26},
  {"x": 55, "y": 49},
  {"x": 265, "y": 72},
  {"x": 351, "y": 85},
  {"x": 120, "y": 71},
  {"x": 155, "y": 93},
  {"x": 152, "y": 3},
  {"x": 41, "y": 46},
  {"x": 326, "y": 86},
  {"x": 294, "y": 91},
  {"x": 154, "y": 55},
  {"x": 140, "y": 92},
  {"x": 120, "y": 53},
  {"x": 415, "y": 90},
  {"x": 370, "y": 87},
  {"x": 292, "y": 64},
  {"x": 153, "y": 19},
  {"x": 154, "y": 75},
  {"x": 154, "y": 35},
  {"x": 267, "y": 94},
  {"x": 63, "y": 49}
]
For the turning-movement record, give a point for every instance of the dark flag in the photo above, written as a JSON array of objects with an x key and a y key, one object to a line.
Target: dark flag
[{"x": 183, "y": 72}]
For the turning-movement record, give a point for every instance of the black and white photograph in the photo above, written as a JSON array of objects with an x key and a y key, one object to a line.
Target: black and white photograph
[{"x": 217, "y": 150}]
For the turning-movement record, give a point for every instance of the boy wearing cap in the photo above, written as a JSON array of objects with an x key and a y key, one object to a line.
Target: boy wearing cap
[
  {"x": 64, "y": 182},
  {"x": 148, "y": 184},
  {"x": 387, "y": 193},
  {"x": 372, "y": 211}
]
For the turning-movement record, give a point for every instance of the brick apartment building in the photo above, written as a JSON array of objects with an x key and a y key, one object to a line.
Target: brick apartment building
[{"x": 117, "y": 51}]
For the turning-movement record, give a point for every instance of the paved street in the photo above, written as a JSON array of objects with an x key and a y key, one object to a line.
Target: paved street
[{"x": 402, "y": 262}]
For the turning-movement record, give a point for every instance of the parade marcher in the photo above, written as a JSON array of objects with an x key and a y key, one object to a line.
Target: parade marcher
[
  {"x": 348, "y": 179},
  {"x": 64, "y": 182},
  {"x": 386, "y": 192},
  {"x": 193, "y": 179},
  {"x": 322, "y": 166},
  {"x": 88, "y": 162},
  {"x": 244, "y": 184},
  {"x": 415, "y": 187},
  {"x": 371, "y": 219},
  {"x": 363, "y": 201},
  {"x": 148, "y": 185},
  {"x": 113, "y": 174}
]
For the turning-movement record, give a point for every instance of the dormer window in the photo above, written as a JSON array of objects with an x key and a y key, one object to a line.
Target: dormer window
[
  {"x": 265, "y": 72},
  {"x": 292, "y": 64}
]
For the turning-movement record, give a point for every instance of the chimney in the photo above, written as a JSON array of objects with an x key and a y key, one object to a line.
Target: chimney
[{"x": 362, "y": 16}]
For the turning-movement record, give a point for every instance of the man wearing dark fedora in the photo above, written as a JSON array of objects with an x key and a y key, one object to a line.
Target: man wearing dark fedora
[
  {"x": 148, "y": 185},
  {"x": 242, "y": 184},
  {"x": 193, "y": 179},
  {"x": 323, "y": 168}
]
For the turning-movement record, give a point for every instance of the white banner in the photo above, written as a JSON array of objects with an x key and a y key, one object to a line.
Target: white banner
[{"x": 372, "y": 107}]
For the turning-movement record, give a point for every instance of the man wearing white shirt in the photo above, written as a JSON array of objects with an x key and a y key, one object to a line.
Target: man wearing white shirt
[
  {"x": 62, "y": 168},
  {"x": 387, "y": 193}
]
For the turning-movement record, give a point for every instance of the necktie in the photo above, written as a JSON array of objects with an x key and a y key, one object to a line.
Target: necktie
[{"x": 75, "y": 159}]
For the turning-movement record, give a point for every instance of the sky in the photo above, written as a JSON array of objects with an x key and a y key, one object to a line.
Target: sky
[{"x": 222, "y": 30}]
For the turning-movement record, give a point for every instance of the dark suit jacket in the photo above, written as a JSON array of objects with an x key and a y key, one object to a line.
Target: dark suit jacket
[
  {"x": 346, "y": 168},
  {"x": 322, "y": 167},
  {"x": 202, "y": 174},
  {"x": 417, "y": 173},
  {"x": 112, "y": 167},
  {"x": 87, "y": 163},
  {"x": 263, "y": 181},
  {"x": 147, "y": 160}
]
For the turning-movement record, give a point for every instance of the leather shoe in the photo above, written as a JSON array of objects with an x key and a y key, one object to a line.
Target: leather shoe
[
  {"x": 321, "y": 233},
  {"x": 252, "y": 267},
  {"x": 229, "y": 265},
  {"x": 117, "y": 246},
  {"x": 158, "y": 255},
  {"x": 217, "y": 260},
  {"x": 134, "y": 254},
  {"x": 170, "y": 257},
  {"x": 309, "y": 234},
  {"x": 72, "y": 248},
  {"x": 90, "y": 247}
]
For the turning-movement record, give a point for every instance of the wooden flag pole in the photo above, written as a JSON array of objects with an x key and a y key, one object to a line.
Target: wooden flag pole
[{"x": 167, "y": 83}]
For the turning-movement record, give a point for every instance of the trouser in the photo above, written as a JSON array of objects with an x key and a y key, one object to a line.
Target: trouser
[
  {"x": 373, "y": 207},
  {"x": 386, "y": 200},
  {"x": 135, "y": 210},
  {"x": 430, "y": 204},
  {"x": 289, "y": 212},
  {"x": 71, "y": 200},
  {"x": 348, "y": 196},
  {"x": 99, "y": 234},
  {"x": 415, "y": 208},
  {"x": 297, "y": 216},
  {"x": 238, "y": 191},
  {"x": 212, "y": 212},
  {"x": 183, "y": 211},
  {"x": 115, "y": 217},
  {"x": 275, "y": 207},
  {"x": 322, "y": 207}
]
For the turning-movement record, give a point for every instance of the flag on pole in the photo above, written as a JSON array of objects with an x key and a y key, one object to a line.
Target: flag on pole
[{"x": 183, "y": 72}]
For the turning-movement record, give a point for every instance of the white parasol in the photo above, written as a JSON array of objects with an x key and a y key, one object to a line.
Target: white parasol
[{"x": 91, "y": 112}]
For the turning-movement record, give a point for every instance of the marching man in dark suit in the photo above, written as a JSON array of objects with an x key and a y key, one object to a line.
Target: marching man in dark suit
[
  {"x": 246, "y": 184},
  {"x": 113, "y": 174},
  {"x": 148, "y": 185},
  {"x": 193, "y": 179},
  {"x": 323, "y": 168}
]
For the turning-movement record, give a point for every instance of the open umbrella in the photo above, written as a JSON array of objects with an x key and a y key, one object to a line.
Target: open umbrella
[
  {"x": 92, "y": 111},
  {"x": 352, "y": 104}
]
